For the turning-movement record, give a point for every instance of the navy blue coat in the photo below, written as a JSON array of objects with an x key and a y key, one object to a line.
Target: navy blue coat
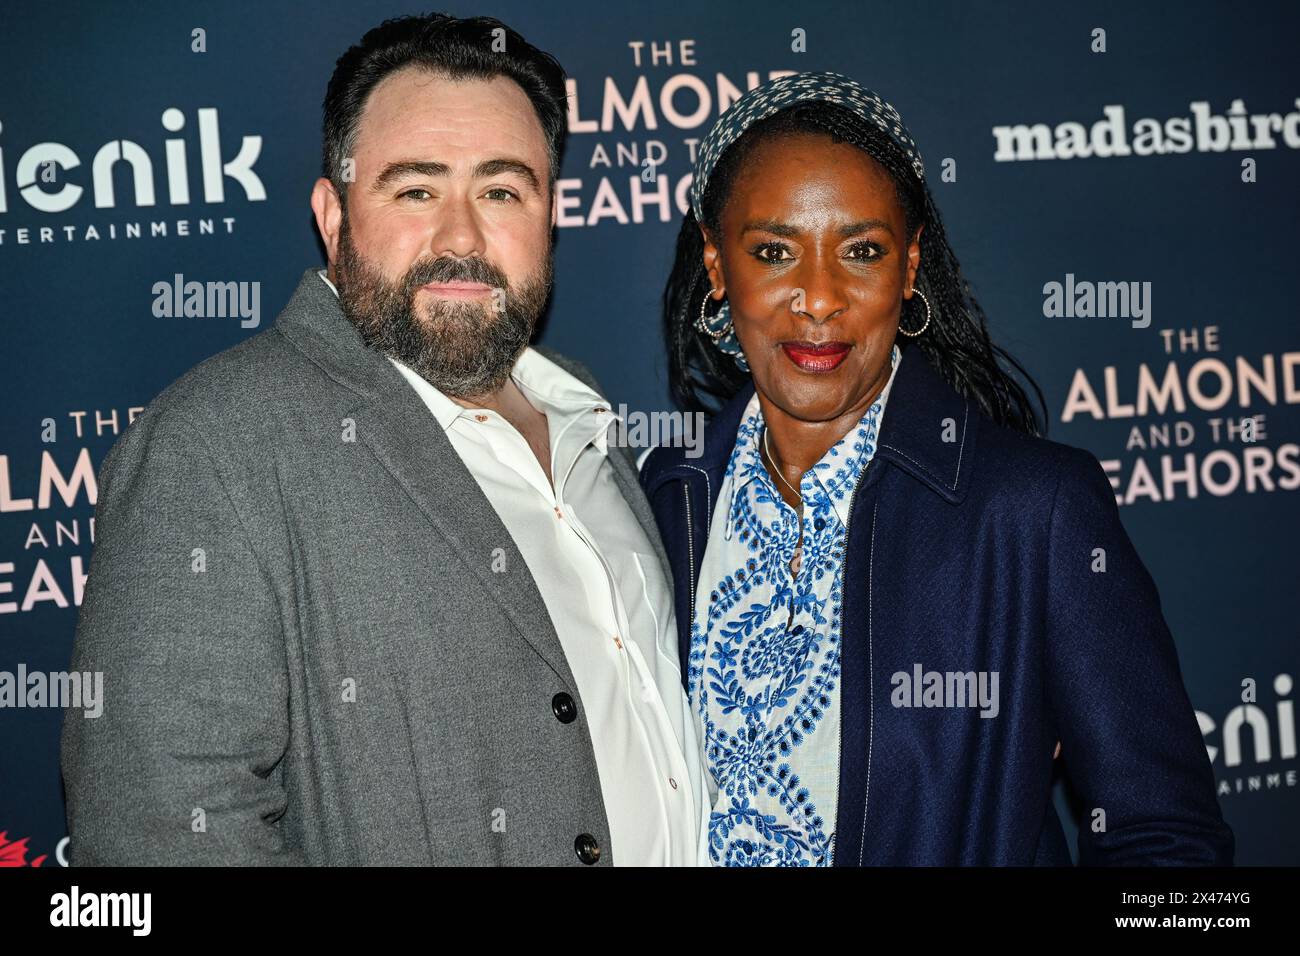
[{"x": 977, "y": 554}]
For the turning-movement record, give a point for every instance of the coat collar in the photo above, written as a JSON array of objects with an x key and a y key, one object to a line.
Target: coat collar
[
  {"x": 931, "y": 429},
  {"x": 929, "y": 432},
  {"x": 314, "y": 322},
  {"x": 394, "y": 423}
]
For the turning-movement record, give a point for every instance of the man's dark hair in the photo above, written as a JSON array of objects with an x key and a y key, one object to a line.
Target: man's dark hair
[{"x": 474, "y": 47}]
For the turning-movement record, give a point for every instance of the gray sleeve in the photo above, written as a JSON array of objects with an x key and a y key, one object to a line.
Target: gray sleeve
[{"x": 180, "y": 618}]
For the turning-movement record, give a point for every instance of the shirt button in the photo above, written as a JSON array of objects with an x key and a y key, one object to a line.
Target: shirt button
[
  {"x": 617, "y": 642},
  {"x": 673, "y": 782},
  {"x": 480, "y": 418},
  {"x": 600, "y": 410}
]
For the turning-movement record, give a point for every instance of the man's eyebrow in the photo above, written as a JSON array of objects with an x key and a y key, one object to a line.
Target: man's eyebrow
[
  {"x": 394, "y": 172},
  {"x": 776, "y": 227},
  {"x": 494, "y": 167}
]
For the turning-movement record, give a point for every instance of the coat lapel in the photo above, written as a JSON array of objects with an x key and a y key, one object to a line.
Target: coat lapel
[
  {"x": 929, "y": 429},
  {"x": 929, "y": 432},
  {"x": 397, "y": 427}
]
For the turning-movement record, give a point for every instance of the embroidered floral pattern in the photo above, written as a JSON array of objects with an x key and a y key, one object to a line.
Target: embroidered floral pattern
[{"x": 764, "y": 665}]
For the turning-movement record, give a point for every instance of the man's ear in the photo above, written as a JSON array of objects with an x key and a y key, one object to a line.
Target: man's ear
[
  {"x": 328, "y": 209},
  {"x": 555, "y": 207},
  {"x": 713, "y": 261}
]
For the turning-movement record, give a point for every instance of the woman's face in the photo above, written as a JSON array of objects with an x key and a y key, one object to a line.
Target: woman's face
[{"x": 815, "y": 262}]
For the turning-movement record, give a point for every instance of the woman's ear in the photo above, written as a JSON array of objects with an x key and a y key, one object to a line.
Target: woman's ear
[
  {"x": 913, "y": 261},
  {"x": 713, "y": 262}
]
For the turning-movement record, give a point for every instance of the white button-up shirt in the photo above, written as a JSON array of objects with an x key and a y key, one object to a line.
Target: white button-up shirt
[{"x": 608, "y": 599}]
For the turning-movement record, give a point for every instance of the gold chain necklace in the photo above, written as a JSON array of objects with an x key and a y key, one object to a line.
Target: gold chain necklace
[{"x": 768, "y": 448}]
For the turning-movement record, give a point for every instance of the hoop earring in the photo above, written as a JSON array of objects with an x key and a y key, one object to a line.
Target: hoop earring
[
  {"x": 702, "y": 323},
  {"x": 927, "y": 316}
]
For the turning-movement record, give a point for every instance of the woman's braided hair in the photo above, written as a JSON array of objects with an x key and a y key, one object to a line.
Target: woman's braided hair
[{"x": 957, "y": 340}]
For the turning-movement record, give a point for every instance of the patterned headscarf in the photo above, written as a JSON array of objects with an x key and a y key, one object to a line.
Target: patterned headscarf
[{"x": 760, "y": 103}]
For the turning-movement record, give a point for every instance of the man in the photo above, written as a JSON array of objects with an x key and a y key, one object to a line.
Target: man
[{"x": 374, "y": 586}]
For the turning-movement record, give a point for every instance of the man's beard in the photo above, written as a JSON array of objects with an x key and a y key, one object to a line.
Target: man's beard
[{"x": 464, "y": 348}]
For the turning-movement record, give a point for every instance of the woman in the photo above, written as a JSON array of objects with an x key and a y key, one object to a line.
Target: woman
[{"x": 890, "y": 623}]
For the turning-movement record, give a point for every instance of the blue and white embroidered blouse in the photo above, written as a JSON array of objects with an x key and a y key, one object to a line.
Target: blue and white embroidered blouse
[{"x": 764, "y": 667}]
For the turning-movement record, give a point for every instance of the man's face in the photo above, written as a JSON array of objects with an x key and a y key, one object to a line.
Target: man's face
[{"x": 442, "y": 254}]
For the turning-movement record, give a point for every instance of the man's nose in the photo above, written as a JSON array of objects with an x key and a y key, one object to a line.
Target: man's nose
[{"x": 457, "y": 231}]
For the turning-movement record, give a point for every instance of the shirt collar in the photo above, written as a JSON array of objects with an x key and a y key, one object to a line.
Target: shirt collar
[
  {"x": 561, "y": 396},
  {"x": 829, "y": 474},
  {"x": 324, "y": 277}
]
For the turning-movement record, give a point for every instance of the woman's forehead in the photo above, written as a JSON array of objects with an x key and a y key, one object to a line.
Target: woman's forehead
[{"x": 808, "y": 174}]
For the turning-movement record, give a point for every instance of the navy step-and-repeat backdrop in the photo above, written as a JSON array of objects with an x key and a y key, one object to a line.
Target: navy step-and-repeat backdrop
[{"x": 1121, "y": 184}]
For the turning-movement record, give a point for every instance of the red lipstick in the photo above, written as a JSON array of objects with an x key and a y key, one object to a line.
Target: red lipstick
[{"x": 816, "y": 356}]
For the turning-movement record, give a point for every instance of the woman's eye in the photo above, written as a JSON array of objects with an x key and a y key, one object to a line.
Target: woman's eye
[
  {"x": 771, "y": 252},
  {"x": 864, "y": 251}
]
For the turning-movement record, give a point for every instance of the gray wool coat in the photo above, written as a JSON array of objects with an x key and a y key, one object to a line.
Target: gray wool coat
[{"x": 308, "y": 655}]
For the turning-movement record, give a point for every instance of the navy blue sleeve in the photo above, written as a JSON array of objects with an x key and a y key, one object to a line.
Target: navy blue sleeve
[{"x": 1130, "y": 741}]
